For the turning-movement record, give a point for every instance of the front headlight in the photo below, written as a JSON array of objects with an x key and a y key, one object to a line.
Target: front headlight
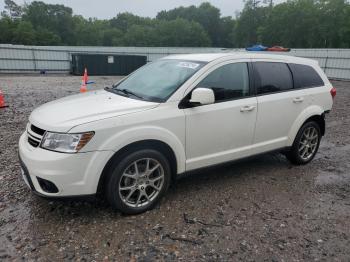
[{"x": 65, "y": 143}]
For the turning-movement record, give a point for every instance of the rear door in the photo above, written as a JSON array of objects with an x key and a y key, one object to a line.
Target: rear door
[
  {"x": 308, "y": 79},
  {"x": 279, "y": 104}
]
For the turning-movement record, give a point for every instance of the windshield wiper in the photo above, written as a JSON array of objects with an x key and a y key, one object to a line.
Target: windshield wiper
[
  {"x": 128, "y": 92},
  {"x": 125, "y": 92},
  {"x": 109, "y": 89}
]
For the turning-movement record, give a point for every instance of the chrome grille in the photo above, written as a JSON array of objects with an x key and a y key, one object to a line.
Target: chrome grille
[
  {"x": 33, "y": 142},
  {"x": 37, "y": 130},
  {"x": 35, "y": 135}
]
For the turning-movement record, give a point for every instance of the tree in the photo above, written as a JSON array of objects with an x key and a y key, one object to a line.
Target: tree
[
  {"x": 180, "y": 32},
  {"x": 250, "y": 19},
  {"x": 112, "y": 37},
  {"x": 89, "y": 32},
  {"x": 46, "y": 37},
  {"x": 206, "y": 15},
  {"x": 138, "y": 35},
  {"x": 7, "y": 28},
  {"x": 280, "y": 27},
  {"x": 124, "y": 21},
  {"x": 345, "y": 30},
  {"x": 55, "y": 18},
  {"x": 292, "y": 23},
  {"x": 24, "y": 34},
  {"x": 13, "y": 10},
  {"x": 332, "y": 18},
  {"x": 227, "y": 32}
]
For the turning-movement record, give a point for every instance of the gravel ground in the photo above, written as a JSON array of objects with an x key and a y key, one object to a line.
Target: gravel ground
[{"x": 259, "y": 209}]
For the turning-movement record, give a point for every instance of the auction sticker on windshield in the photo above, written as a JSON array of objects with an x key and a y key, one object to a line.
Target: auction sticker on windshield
[{"x": 188, "y": 65}]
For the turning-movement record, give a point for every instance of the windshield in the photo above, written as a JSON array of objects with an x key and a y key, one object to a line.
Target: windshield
[{"x": 157, "y": 81}]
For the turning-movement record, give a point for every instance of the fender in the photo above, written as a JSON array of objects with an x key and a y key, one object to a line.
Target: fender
[
  {"x": 136, "y": 134},
  {"x": 304, "y": 115}
]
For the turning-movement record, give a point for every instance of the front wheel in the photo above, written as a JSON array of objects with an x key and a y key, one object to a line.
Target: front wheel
[
  {"x": 138, "y": 181},
  {"x": 306, "y": 144}
]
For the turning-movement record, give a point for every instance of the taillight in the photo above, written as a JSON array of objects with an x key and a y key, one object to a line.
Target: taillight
[{"x": 333, "y": 92}]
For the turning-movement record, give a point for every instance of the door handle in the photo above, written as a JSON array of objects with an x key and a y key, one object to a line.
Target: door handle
[
  {"x": 247, "y": 108},
  {"x": 298, "y": 99}
]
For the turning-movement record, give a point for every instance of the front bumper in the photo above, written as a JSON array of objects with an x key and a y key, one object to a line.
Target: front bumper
[{"x": 72, "y": 174}]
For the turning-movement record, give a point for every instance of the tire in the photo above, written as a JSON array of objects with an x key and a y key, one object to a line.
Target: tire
[
  {"x": 134, "y": 190},
  {"x": 306, "y": 144}
]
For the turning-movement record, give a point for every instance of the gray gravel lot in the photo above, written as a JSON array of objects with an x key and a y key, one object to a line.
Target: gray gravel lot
[{"x": 258, "y": 209}]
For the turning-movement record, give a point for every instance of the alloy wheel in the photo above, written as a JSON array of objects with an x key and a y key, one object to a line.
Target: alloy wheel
[
  {"x": 141, "y": 182},
  {"x": 308, "y": 143}
]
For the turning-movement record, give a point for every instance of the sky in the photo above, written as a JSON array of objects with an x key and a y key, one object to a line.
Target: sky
[{"x": 105, "y": 9}]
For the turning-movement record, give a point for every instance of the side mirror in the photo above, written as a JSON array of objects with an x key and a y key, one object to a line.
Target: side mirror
[{"x": 202, "y": 96}]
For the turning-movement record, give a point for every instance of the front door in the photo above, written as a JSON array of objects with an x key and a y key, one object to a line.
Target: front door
[{"x": 222, "y": 131}]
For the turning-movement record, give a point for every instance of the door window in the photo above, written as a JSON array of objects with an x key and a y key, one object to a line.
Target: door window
[
  {"x": 272, "y": 77},
  {"x": 305, "y": 76},
  {"x": 228, "y": 82}
]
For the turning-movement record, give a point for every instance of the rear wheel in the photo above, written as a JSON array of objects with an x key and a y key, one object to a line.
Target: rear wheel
[
  {"x": 138, "y": 181},
  {"x": 306, "y": 144}
]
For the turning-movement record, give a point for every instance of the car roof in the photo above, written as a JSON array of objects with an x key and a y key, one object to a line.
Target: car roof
[{"x": 209, "y": 57}]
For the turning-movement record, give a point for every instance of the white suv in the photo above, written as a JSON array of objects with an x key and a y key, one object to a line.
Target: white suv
[{"x": 177, "y": 114}]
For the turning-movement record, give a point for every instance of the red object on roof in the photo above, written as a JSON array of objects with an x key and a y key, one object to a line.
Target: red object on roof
[{"x": 278, "y": 49}]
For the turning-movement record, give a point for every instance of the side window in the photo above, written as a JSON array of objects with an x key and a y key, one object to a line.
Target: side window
[
  {"x": 228, "y": 82},
  {"x": 305, "y": 76},
  {"x": 272, "y": 77}
]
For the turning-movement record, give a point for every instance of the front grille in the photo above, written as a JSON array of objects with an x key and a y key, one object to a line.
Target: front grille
[
  {"x": 37, "y": 130},
  {"x": 35, "y": 135},
  {"x": 33, "y": 142}
]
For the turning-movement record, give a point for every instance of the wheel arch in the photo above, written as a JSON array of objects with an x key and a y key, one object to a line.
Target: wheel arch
[
  {"x": 314, "y": 113},
  {"x": 158, "y": 145},
  {"x": 320, "y": 120}
]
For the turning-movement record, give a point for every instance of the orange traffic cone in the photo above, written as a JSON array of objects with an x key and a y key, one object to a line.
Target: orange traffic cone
[
  {"x": 83, "y": 88},
  {"x": 86, "y": 77},
  {"x": 84, "y": 81},
  {"x": 2, "y": 100}
]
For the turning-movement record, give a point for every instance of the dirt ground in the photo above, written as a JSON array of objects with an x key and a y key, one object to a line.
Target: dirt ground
[{"x": 259, "y": 209}]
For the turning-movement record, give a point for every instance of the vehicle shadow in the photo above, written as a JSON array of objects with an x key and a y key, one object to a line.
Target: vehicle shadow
[{"x": 211, "y": 179}]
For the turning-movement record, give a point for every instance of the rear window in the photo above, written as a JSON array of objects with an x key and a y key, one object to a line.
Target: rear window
[
  {"x": 272, "y": 77},
  {"x": 305, "y": 76}
]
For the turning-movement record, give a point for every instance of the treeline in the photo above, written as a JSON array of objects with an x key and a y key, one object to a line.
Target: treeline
[{"x": 295, "y": 23}]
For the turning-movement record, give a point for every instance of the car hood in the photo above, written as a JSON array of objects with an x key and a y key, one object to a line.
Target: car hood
[{"x": 63, "y": 114}]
